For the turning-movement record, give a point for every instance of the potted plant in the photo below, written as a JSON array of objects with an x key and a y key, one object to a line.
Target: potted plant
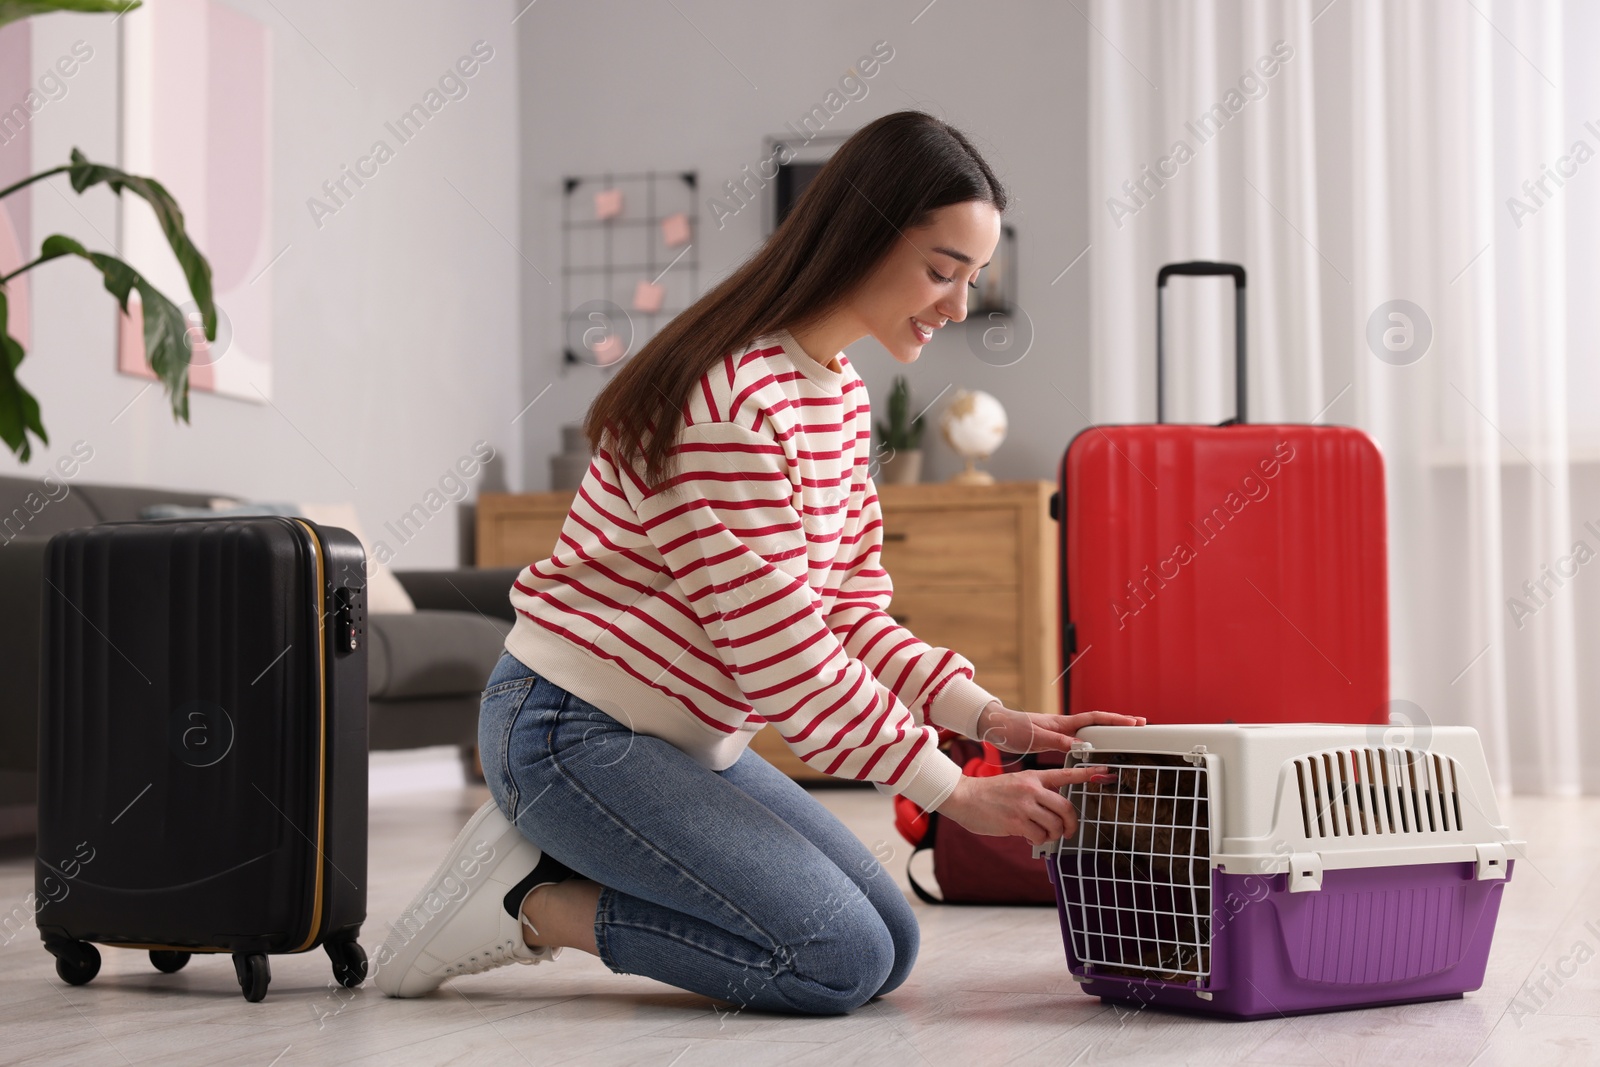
[
  {"x": 900, "y": 440},
  {"x": 166, "y": 330}
]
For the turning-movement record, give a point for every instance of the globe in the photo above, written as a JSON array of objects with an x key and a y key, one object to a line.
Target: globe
[{"x": 974, "y": 425}]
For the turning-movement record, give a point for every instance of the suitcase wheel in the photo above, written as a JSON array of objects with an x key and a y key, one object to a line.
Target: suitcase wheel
[
  {"x": 254, "y": 973},
  {"x": 168, "y": 961},
  {"x": 76, "y": 961},
  {"x": 349, "y": 962}
]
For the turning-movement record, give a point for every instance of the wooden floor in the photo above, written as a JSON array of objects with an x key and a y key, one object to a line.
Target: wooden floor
[{"x": 990, "y": 987}]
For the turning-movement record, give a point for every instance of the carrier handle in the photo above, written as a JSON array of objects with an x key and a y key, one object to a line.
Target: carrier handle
[{"x": 1202, "y": 267}]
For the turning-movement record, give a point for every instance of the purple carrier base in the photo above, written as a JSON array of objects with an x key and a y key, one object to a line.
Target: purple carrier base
[{"x": 1369, "y": 937}]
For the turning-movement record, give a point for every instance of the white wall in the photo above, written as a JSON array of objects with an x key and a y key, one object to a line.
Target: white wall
[
  {"x": 408, "y": 326},
  {"x": 617, "y": 85},
  {"x": 396, "y": 323}
]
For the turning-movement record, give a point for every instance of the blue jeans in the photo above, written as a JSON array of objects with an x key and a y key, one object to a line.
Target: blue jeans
[{"x": 735, "y": 884}]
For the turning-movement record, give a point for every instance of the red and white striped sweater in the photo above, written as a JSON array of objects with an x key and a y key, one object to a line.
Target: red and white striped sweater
[{"x": 748, "y": 588}]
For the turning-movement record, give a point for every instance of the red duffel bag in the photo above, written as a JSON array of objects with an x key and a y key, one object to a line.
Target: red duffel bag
[{"x": 976, "y": 868}]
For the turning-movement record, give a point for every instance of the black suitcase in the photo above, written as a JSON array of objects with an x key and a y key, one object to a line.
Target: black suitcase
[{"x": 203, "y": 744}]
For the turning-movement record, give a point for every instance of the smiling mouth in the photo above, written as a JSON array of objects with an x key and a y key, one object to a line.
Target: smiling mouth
[{"x": 924, "y": 333}]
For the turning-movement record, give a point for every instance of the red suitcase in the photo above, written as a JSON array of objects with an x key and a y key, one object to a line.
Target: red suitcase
[{"x": 1227, "y": 573}]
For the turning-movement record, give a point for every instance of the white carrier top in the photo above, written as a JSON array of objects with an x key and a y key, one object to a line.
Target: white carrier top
[{"x": 1302, "y": 797}]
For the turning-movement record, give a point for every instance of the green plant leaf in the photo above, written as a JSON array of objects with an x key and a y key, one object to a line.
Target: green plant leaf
[
  {"x": 195, "y": 268},
  {"x": 19, "y": 411},
  {"x": 12, "y": 10},
  {"x": 164, "y": 325}
]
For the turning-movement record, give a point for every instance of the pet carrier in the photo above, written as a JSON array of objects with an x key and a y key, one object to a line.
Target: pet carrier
[{"x": 1261, "y": 870}]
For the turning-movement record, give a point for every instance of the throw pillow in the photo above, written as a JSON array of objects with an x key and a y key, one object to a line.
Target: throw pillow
[
  {"x": 232, "y": 507},
  {"x": 385, "y": 594}
]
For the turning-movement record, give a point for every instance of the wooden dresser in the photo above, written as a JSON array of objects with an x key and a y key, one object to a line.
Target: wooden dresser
[{"x": 974, "y": 570}]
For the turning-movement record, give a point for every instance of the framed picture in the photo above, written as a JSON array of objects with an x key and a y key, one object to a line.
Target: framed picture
[
  {"x": 997, "y": 283},
  {"x": 196, "y": 113},
  {"x": 796, "y": 160},
  {"x": 16, "y": 163}
]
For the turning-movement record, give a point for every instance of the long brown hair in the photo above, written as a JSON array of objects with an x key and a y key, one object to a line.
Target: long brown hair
[{"x": 888, "y": 177}]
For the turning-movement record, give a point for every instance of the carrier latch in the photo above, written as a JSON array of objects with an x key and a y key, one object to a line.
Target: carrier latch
[
  {"x": 1305, "y": 872},
  {"x": 1491, "y": 862}
]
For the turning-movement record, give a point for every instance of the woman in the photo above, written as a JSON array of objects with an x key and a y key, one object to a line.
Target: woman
[{"x": 724, "y": 576}]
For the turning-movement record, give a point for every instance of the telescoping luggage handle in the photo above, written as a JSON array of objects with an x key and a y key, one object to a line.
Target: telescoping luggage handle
[{"x": 1204, "y": 268}]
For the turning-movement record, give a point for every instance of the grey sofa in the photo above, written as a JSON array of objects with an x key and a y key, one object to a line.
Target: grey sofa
[{"x": 425, "y": 670}]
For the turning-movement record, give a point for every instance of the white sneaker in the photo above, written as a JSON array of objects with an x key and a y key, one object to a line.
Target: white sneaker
[{"x": 467, "y": 918}]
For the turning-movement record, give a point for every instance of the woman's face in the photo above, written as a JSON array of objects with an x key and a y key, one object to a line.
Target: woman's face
[{"x": 926, "y": 277}]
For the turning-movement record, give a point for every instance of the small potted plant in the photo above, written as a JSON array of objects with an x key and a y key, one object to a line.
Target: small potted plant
[{"x": 900, "y": 440}]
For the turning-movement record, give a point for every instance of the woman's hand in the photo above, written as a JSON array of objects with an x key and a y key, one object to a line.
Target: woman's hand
[
  {"x": 1020, "y": 731},
  {"x": 1023, "y": 804}
]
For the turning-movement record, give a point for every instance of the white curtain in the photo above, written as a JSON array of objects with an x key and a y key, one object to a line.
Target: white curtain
[{"x": 1353, "y": 154}]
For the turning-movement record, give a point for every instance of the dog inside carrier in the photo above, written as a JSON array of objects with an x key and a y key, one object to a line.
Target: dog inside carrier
[{"x": 1263, "y": 870}]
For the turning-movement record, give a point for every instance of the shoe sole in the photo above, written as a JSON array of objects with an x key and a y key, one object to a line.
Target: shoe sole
[{"x": 404, "y": 958}]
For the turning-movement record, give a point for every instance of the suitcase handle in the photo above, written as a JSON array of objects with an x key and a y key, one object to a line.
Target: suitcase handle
[{"x": 1204, "y": 268}]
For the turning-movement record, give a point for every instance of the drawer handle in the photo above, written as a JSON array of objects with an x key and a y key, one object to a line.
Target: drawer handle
[{"x": 897, "y": 535}]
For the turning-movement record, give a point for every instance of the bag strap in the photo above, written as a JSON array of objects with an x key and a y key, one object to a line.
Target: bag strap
[
  {"x": 916, "y": 887},
  {"x": 929, "y": 839}
]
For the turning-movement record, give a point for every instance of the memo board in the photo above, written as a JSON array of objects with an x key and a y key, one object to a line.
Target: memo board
[{"x": 606, "y": 260}]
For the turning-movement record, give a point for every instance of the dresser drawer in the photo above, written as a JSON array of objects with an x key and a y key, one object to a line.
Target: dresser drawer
[
  {"x": 515, "y": 529},
  {"x": 982, "y": 623},
  {"x": 926, "y": 546},
  {"x": 534, "y": 536}
]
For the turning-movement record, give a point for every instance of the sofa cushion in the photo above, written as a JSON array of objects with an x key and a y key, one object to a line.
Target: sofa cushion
[
  {"x": 385, "y": 594},
  {"x": 432, "y": 653},
  {"x": 122, "y": 503},
  {"x": 228, "y": 509},
  {"x": 31, "y": 507}
]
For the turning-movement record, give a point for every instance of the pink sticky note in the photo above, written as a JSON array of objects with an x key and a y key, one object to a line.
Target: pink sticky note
[
  {"x": 607, "y": 350},
  {"x": 608, "y": 203},
  {"x": 675, "y": 229},
  {"x": 647, "y": 296}
]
